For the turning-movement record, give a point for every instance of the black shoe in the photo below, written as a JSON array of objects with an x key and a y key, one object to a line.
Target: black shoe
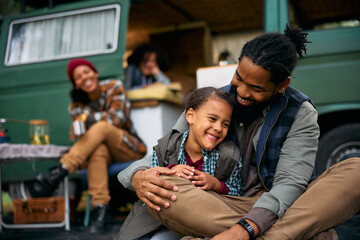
[
  {"x": 46, "y": 183},
  {"x": 98, "y": 219}
]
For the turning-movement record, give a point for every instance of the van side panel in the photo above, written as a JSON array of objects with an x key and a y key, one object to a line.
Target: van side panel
[{"x": 41, "y": 90}]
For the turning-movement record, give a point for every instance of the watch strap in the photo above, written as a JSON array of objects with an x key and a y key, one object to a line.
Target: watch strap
[{"x": 247, "y": 227}]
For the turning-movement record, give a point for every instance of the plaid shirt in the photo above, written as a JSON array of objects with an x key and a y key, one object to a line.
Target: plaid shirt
[
  {"x": 112, "y": 107},
  {"x": 211, "y": 159}
]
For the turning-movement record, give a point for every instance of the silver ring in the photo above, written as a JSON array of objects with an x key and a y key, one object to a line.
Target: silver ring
[{"x": 148, "y": 193}]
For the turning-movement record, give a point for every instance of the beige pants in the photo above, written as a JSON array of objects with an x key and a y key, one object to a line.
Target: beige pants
[
  {"x": 102, "y": 144},
  {"x": 328, "y": 202}
]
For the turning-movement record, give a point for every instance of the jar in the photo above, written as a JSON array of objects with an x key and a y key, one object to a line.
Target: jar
[{"x": 39, "y": 132}]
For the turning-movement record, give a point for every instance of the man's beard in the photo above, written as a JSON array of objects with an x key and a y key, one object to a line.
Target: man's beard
[{"x": 247, "y": 114}]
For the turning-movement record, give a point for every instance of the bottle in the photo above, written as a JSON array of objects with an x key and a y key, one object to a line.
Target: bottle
[{"x": 39, "y": 132}]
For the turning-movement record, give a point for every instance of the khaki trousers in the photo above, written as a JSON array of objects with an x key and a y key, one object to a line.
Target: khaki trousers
[
  {"x": 328, "y": 202},
  {"x": 102, "y": 144}
]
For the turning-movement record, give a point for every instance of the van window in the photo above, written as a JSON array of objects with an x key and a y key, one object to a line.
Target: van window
[
  {"x": 70, "y": 34},
  {"x": 317, "y": 14}
]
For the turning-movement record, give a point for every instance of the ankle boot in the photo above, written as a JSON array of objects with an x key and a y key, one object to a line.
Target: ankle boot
[
  {"x": 98, "y": 219},
  {"x": 45, "y": 184}
]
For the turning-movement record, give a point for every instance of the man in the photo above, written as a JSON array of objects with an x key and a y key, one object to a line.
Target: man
[{"x": 276, "y": 128}]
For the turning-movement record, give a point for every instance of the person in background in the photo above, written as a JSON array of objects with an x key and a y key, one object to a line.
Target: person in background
[
  {"x": 276, "y": 129},
  {"x": 110, "y": 137},
  {"x": 145, "y": 66},
  {"x": 198, "y": 155}
]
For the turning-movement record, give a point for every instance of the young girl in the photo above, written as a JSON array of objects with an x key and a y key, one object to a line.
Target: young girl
[{"x": 197, "y": 154}]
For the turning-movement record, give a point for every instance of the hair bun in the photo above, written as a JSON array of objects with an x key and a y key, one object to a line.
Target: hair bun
[{"x": 298, "y": 37}]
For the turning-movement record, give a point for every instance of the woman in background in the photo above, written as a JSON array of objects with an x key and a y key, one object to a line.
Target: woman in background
[
  {"x": 145, "y": 66},
  {"x": 110, "y": 137}
]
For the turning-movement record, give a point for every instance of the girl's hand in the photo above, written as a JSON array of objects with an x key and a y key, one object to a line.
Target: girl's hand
[
  {"x": 205, "y": 181},
  {"x": 184, "y": 171}
]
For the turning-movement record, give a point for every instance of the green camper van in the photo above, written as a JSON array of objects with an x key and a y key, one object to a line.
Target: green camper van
[{"x": 36, "y": 46}]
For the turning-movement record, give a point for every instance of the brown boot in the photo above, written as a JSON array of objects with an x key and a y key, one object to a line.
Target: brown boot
[{"x": 329, "y": 234}]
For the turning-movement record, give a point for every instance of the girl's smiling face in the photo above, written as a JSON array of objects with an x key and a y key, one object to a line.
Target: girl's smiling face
[
  {"x": 208, "y": 124},
  {"x": 85, "y": 78}
]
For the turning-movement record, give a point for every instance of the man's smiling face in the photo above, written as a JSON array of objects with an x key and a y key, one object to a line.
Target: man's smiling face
[{"x": 253, "y": 84}]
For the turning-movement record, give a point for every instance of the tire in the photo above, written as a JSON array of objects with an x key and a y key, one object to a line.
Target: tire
[{"x": 338, "y": 144}]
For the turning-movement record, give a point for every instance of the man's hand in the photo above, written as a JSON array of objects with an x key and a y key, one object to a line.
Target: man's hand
[
  {"x": 205, "y": 181},
  {"x": 237, "y": 232},
  {"x": 151, "y": 189}
]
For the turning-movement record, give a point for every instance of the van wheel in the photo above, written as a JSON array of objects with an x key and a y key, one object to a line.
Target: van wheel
[{"x": 338, "y": 144}]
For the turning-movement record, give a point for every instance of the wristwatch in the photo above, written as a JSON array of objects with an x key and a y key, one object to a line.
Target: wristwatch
[{"x": 247, "y": 227}]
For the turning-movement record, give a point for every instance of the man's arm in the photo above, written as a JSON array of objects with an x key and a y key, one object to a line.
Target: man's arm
[
  {"x": 126, "y": 175},
  {"x": 146, "y": 182},
  {"x": 296, "y": 163}
]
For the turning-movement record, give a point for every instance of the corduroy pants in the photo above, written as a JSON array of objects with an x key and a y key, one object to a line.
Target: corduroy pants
[
  {"x": 329, "y": 201},
  {"x": 102, "y": 144}
]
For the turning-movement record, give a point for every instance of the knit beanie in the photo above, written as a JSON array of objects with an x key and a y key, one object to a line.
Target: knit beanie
[{"x": 75, "y": 63}]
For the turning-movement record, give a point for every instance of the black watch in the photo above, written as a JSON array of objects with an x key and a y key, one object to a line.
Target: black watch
[{"x": 247, "y": 227}]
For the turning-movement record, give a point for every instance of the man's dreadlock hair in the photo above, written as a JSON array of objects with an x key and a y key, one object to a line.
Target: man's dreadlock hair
[{"x": 276, "y": 52}]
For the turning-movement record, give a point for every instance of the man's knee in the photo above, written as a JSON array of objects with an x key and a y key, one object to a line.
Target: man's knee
[{"x": 349, "y": 166}]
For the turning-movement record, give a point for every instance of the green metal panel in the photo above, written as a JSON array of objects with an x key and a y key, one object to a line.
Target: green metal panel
[
  {"x": 334, "y": 41},
  {"x": 41, "y": 90},
  {"x": 330, "y": 71},
  {"x": 13, "y": 170},
  {"x": 329, "y": 79},
  {"x": 283, "y": 15},
  {"x": 276, "y": 15},
  {"x": 337, "y": 107},
  {"x": 17, "y": 170}
]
